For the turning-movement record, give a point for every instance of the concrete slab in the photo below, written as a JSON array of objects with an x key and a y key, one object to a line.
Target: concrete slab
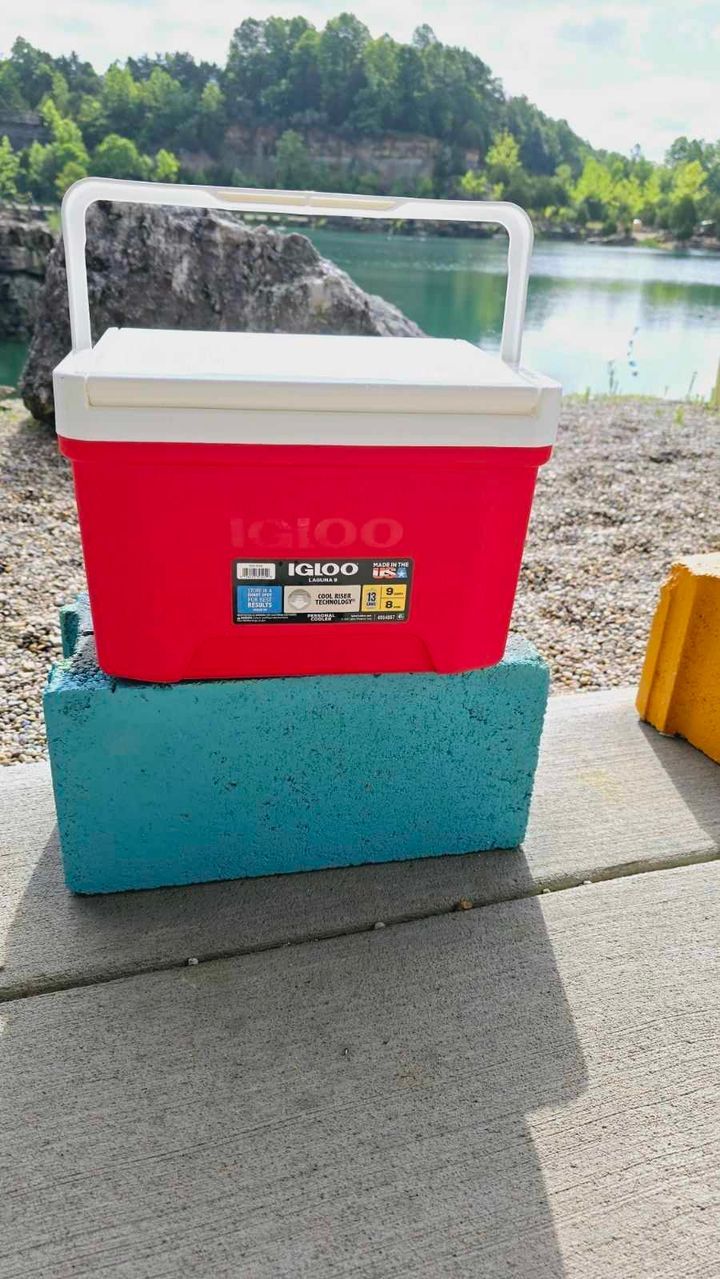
[
  {"x": 525, "y": 1089},
  {"x": 612, "y": 797}
]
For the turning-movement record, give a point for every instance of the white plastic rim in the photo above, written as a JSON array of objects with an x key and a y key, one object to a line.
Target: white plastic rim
[{"x": 511, "y": 217}]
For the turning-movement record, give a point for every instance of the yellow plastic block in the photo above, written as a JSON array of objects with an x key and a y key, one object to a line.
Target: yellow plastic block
[{"x": 680, "y": 683}]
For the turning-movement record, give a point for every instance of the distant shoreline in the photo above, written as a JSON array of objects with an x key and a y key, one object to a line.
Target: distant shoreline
[
  {"x": 545, "y": 234},
  {"x": 49, "y": 216},
  {"x": 697, "y": 243}
]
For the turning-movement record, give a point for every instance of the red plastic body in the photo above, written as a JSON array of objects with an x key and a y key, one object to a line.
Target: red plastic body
[{"x": 161, "y": 525}]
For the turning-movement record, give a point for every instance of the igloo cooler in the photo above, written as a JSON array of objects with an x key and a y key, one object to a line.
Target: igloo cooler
[{"x": 260, "y": 504}]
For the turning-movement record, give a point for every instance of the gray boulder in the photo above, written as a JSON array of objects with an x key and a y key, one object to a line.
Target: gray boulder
[
  {"x": 25, "y": 242},
  {"x": 165, "y": 268}
]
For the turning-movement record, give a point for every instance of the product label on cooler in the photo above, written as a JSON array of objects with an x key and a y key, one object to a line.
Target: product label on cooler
[{"x": 321, "y": 590}]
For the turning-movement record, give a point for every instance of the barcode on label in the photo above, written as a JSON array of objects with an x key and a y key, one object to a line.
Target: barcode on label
[{"x": 258, "y": 572}]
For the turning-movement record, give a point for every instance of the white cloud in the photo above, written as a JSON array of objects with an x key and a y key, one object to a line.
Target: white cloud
[{"x": 641, "y": 71}]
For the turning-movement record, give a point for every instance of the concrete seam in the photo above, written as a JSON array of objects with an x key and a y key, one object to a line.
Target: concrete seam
[{"x": 561, "y": 884}]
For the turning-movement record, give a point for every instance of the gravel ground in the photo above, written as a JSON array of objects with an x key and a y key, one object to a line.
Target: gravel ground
[{"x": 632, "y": 485}]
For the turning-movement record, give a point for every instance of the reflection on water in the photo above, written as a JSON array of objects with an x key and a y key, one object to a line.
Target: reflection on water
[{"x": 634, "y": 320}]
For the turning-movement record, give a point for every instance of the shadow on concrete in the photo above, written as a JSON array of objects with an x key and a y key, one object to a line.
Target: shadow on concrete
[
  {"x": 353, "y": 1107},
  {"x": 56, "y": 939},
  {"x": 695, "y": 777}
]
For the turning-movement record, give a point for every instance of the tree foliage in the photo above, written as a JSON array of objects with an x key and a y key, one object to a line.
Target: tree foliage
[
  {"x": 293, "y": 164},
  {"x": 9, "y": 167},
  {"x": 169, "y": 116}
]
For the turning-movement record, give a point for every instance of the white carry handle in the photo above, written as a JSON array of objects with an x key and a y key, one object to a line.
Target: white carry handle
[{"x": 82, "y": 194}]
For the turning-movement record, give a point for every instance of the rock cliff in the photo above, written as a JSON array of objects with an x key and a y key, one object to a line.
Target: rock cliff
[
  {"x": 164, "y": 268},
  {"x": 25, "y": 242}
]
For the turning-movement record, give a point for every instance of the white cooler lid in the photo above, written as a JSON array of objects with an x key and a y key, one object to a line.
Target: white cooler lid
[{"x": 290, "y": 374}]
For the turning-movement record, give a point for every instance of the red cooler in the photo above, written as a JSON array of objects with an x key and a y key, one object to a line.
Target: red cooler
[{"x": 260, "y": 504}]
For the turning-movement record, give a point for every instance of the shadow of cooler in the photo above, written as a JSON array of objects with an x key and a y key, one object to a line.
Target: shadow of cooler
[{"x": 272, "y": 504}]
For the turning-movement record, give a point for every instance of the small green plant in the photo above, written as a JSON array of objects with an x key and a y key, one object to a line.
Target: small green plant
[
  {"x": 9, "y": 169},
  {"x": 679, "y": 418}
]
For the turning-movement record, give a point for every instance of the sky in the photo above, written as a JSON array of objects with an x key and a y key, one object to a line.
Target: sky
[{"x": 639, "y": 72}]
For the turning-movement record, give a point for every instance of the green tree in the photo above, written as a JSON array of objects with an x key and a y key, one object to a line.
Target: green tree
[
  {"x": 12, "y": 101},
  {"x": 686, "y": 197},
  {"x": 689, "y": 180},
  {"x": 292, "y": 161},
  {"x": 652, "y": 194},
  {"x": 166, "y": 167},
  {"x": 683, "y": 217},
  {"x": 683, "y": 150},
  {"x": 9, "y": 169},
  {"x": 341, "y": 65},
  {"x": 504, "y": 155},
  {"x": 639, "y": 167},
  {"x": 410, "y": 110},
  {"x": 80, "y": 77},
  {"x": 374, "y": 103},
  {"x": 191, "y": 75},
  {"x": 473, "y": 185},
  {"x": 118, "y": 157},
  {"x": 256, "y": 75},
  {"x": 70, "y": 172},
  {"x": 212, "y": 100},
  {"x": 423, "y": 36},
  {"x": 456, "y": 104},
  {"x": 91, "y": 119},
  {"x": 563, "y": 175},
  {"x": 550, "y": 196},
  {"x": 504, "y": 170},
  {"x": 38, "y": 171},
  {"x": 304, "y": 86},
  {"x": 65, "y": 154},
  {"x": 627, "y": 199},
  {"x": 33, "y": 69},
  {"x": 164, "y": 105},
  {"x": 544, "y": 143},
  {"x": 67, "y": 141},
  {"x": 59, "y": 92},
  {"x": 593, "y": 189},
  {"x": 211, "y": 116},
  {"x": 121, "y": 102}
]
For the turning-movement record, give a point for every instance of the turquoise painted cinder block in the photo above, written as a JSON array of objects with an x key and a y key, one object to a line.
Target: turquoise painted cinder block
[{"x": 175, "y": 784}]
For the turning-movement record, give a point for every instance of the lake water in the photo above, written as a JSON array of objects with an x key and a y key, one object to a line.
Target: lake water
[
  {"x": 12, "y": 358},
  {"x": 653, "y": 315},
  {"x": 628, "y": 320}
]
